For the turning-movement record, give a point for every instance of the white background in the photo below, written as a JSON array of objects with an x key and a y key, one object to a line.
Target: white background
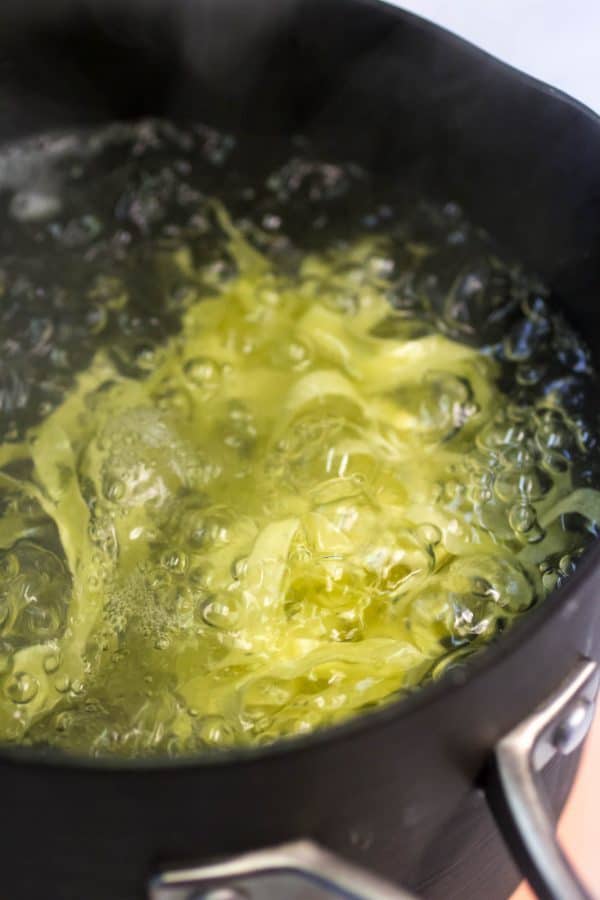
[{"x": 555, "y": 40}]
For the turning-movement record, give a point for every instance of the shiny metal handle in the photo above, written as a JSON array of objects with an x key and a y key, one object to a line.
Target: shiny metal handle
[
  {"x": 304, "y": 871},
  {"x": 297, "y": 871},
  {"x": 516, "y": 796}
]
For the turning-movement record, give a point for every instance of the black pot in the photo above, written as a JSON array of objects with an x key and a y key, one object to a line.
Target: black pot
[{"x": 406, "y": 792}]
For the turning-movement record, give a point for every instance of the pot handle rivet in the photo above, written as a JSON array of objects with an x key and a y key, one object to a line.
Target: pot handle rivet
[{"x": 570, "y": 733}]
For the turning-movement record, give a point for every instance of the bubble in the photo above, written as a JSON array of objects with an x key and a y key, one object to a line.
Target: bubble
[
  {"x": 524, "y": 338},
  {"x": 518, "y": 410},
  {"x": 553, "y": 435},
  {"x": 205, "y": 531},
  {"x": 175, "y": 561},
  {"x": 570, "y": 393},
  {"x": 550, "y": 579},
  {"x": 114, "y": 490},
  {"x": 506, "y": 485},
  {"x": 518, "y": 457},
  {"x": 239, "y": 567},
  {"x": 535, "y": 534},
  {"x": 21, "y": 687},
  {"x": 515, "y": 434},
  {"x": 219, "y": 612},
  {"x": 39, "y": 620},
  {"x": 145, "y": 357},
  {"x": 528, "y": 375},
  {"x": 202, "y": 371},
  {"x": 555, "y": 462},
  {"x": 481, "y": 297},
  {"x": 215, "y": 731},
  {"x": 522, "y": 518},
  {"x": 51, "y": 663},
  {"x": 567, "y": 565},
  {"x": 481, "y": 495},
  {"x": 491, "y": 436},
  {"x": 63, "y": 721},
  {"x": 62, "y": 684},
  {"x": 34, "y": 602}
]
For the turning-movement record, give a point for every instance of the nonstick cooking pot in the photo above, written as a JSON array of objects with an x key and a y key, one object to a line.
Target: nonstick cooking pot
[{"x": 431, "y": 792}]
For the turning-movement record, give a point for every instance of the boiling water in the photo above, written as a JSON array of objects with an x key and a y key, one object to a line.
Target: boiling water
[{"x": 274, "y": 449}]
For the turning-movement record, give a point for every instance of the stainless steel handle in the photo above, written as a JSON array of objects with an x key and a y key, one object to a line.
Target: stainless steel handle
[
  {"x": 516, "y": 796},
  {"x": 297, "y": 871},
  {"x": 304, "y": 871}
]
